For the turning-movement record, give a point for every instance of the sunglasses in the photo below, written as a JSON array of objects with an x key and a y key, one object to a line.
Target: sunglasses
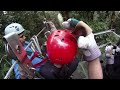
[{"x": 21, "y": 36}]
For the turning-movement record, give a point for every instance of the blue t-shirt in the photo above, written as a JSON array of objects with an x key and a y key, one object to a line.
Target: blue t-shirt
[{"x": 34, "y": 61}]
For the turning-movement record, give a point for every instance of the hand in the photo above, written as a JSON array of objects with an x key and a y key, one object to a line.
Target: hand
[
  {"x": 109, "y": 54},
  {"x": 22, "y": 73},
  {"x": 51, "y": 26},
  {"x": 70, "y": 23},
  {"x": 89, "y": 46}
]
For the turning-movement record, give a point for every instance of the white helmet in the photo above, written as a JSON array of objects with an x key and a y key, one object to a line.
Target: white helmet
[{"x": 14, "y": 27}]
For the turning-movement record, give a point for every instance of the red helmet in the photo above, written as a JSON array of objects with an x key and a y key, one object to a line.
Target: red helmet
[{"x": 61, "y": 47}]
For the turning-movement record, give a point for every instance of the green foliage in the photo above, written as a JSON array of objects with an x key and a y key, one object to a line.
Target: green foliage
[
  {"x": 98, "y": 26},
  {"x": 117, "y": 24}
]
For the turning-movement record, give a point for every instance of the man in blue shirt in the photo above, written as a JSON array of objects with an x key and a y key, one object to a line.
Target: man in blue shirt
[{"x": 16, "y": 27}]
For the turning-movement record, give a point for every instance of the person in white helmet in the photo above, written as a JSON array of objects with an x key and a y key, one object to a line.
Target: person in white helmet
[
  {"x": 87, "y": 43},
  {"x": 19, "y": 30}
]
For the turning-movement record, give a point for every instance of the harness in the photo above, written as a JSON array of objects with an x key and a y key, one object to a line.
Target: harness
[
  {"x": 36, "y": 54},
  {"x": 15, "y": 49}
]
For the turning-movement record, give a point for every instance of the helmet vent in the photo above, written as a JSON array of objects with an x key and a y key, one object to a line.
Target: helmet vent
[
  {"x": 56, "y": 35},
  {"x": 58, "y": 31},
  {"x": 62, "y": 40}
]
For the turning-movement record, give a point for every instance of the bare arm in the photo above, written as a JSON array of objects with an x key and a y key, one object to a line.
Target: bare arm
[
  {"x": 83, "y": 28},
  {"x": 95, "y": 69},
  {"x": 87, "y": 28}
]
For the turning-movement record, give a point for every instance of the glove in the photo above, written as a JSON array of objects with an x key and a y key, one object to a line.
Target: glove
[
  {"x": 70, "y": 23},
  {"x": 90, "y": 49},
  {"x": 85, "y": 37},
  {"x": 51, "y": 26},
  {"x": 109, "y": 54}
]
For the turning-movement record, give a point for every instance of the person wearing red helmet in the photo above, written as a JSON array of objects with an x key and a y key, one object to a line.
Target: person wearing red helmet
[
  {"x": 86, "y": 41},
  {"x": 61, "y": 42},
  {"x": 61, "y": 48}
]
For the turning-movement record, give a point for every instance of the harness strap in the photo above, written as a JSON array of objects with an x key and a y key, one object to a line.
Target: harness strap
[
  {"x": 34, "y": 55},
  {"x": 38, "y": 64},
  {"x": 26, "y": 60}
]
